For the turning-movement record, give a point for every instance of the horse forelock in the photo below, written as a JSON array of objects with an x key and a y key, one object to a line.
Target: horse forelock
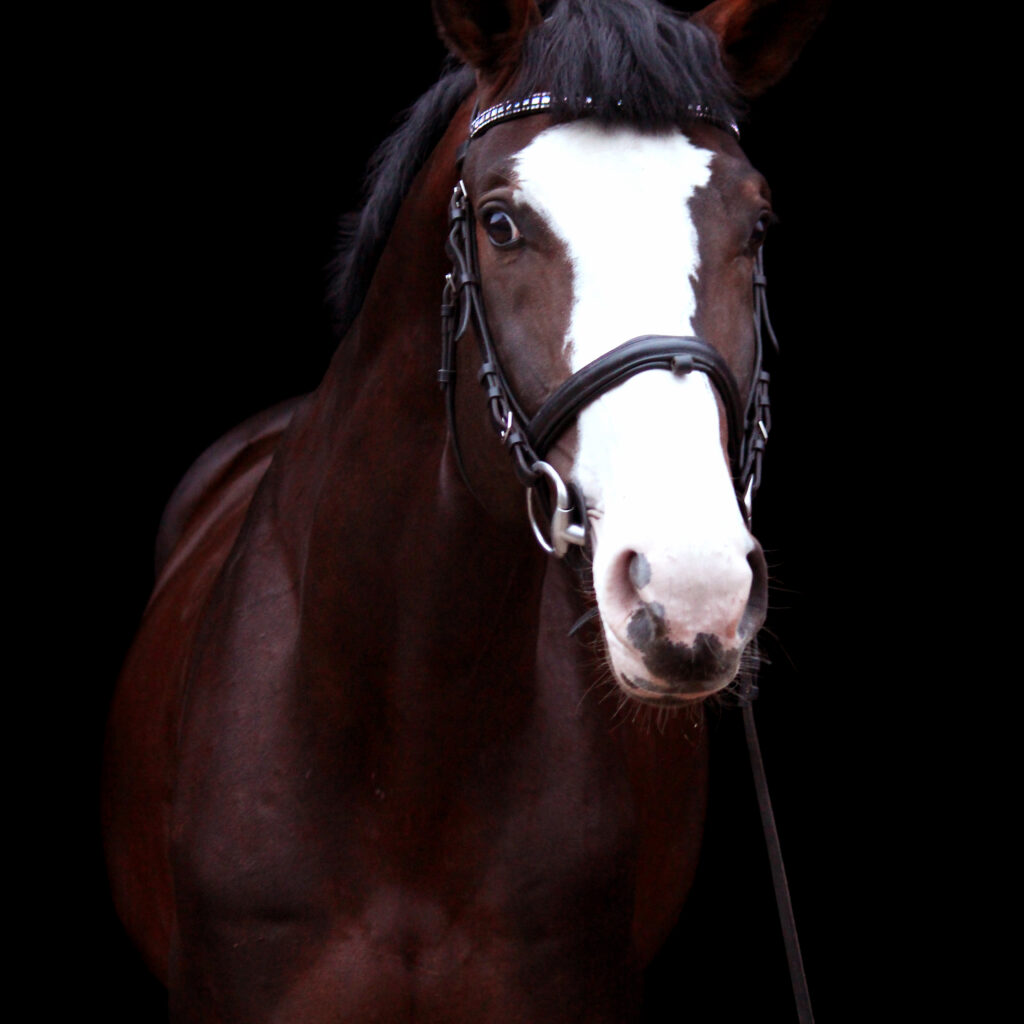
[{"x": 631, "y": 62}]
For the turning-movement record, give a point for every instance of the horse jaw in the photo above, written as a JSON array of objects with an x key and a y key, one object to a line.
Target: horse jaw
[{"x": 678, "y": 578}]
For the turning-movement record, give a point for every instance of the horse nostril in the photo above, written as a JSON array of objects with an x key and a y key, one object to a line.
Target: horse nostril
[
  {"x": 757, "y": 602},
  {"x": 639, "y": 571},
  {"x": 646, "y": 626}
]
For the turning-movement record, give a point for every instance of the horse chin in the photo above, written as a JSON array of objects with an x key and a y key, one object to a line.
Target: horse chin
[{"x": 676, "y": 675}]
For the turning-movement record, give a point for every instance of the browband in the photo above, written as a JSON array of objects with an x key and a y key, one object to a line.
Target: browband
[{"x": 539, "y": 102}]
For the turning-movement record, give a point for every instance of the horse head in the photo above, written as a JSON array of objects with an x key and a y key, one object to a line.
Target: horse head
[{"x": 612, "y": 229}]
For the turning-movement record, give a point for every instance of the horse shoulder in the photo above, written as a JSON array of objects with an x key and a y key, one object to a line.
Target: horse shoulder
[
  {"x": 197, "y": 533},
  {"x": 223, "y": 478}
]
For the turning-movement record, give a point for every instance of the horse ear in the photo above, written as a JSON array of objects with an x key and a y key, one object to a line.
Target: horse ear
[
  {"x": 485, "y": 34},
  {"x": 761, "y": 39}
]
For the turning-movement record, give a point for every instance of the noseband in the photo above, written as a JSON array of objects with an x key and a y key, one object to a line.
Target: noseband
[{"x": 529, "y": 438}]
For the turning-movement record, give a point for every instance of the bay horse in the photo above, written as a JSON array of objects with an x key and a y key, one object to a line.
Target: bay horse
[{"x": 389, "y": 745}]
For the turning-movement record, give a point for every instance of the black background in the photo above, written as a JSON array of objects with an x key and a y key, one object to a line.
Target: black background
[{"x": 195, "y": 171}]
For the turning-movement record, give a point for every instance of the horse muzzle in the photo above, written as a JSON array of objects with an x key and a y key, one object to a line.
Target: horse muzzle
[{"x": 673, "y": 634}]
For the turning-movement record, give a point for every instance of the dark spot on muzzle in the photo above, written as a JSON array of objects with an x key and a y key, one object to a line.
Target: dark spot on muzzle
[
  {"x": 646, "y": 626},
  {"x": 679, "y": 664}
]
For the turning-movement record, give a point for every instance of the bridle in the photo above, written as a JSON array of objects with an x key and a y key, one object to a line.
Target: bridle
[{"x": 529, "y": 438}]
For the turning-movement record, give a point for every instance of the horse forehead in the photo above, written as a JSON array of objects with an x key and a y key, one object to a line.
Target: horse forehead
[
  {"x": 611, "y": 151},
  {"x": 567, "y": 169},
  {"x": 620, "y": 201}
]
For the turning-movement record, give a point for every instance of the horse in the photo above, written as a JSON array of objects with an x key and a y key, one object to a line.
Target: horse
[{"x": 394, "y": 743}]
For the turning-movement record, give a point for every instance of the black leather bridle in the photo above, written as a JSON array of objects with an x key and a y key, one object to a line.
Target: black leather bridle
[{"x": 529, "y": 438}]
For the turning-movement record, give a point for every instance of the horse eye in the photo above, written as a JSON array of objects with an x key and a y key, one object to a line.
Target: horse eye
[{"x": 501, "y": 229}]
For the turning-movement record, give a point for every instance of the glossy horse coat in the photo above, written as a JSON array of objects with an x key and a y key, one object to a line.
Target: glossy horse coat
[{"x": 358, "y": 768}]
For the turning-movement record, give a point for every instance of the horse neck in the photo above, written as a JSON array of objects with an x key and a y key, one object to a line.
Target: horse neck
[{"x": 403, "y": 575}]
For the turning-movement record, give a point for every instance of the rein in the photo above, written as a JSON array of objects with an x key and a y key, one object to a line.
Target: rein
[{"x": 529, "y": 438}]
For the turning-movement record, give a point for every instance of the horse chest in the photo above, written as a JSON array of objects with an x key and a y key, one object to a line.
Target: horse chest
[{"x": 515, "y": 888}]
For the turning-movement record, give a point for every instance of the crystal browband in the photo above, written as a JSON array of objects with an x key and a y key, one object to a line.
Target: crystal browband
[
  {"x": 535, "y": 104},
  {"x": 541, "y": 101}
]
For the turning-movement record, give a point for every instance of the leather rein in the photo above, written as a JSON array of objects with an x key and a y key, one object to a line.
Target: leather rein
[{"x": 529, "y": 438}]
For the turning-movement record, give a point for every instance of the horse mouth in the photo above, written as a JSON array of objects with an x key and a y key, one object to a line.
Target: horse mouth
[
  {"x": 665, "y": 673},
  {"x": 643, "y": 691},
  {"x": 652, "y": 690}
]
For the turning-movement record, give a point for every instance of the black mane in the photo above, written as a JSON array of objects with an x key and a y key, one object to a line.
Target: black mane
[
  {"x": 618, "y": 61},
  {"x": 391, "y": 173}
]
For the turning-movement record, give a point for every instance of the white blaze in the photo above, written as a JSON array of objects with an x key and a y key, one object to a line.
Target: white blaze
[
  {"x": 650, "y": 459},
  {"x": 620, "y": 202}
]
